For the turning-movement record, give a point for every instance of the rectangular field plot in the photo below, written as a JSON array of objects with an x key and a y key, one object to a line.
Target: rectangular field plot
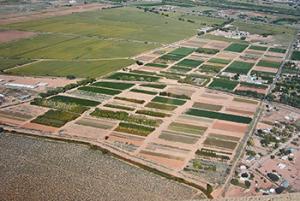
[
  {"x": 207, "y": 106},
  {"x": 134, "y": 129},
  {"x": 77, "y": 101},
  {"x": 99, "y": 90},
  {"x": 239, "y": 67},
  {"x": 144, "y": 91},
  {"x": 55, "y": 118},
  {"x": 155, "y": 86},
  {"x": 10, "y": 63},
  {"x": 156, "y": 65},
  {"x": 113, "y": 85},
  {"x": 212, "y": 69},
  {"x": 219, "y": 115},
  {"x": 102, "y": 124},
  {"x": 170, "y": 101},
  {"x": 219, "y": 61},
  {"x": 215, "y": 142},
  {"x": 271, "y": 64},
  {"x": 223, "y": 84},
  {"x": 187, "y": 128},
  {"x": 189, "y": 63},
  {"x": 236, "y": 47},
  {"x": 161, "y": 106},
  {"x": 178, "y": 137},
  {"x": 76, "y": 68},
  {"x": 177, "y": 54},
  {"x": 179, "y": 69},
  {"x": 133, "y": 77},
  {"x": 277, "y": 50},
  {"x": 258, "y": 48}
]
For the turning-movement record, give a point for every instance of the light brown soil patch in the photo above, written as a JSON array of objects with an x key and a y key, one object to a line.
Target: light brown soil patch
[
  {"x": 85, "y": 132},
  {"x": 150, "y": 69},
  {"x": 215, "y": 44},
  {"x": 11, "y": 35},
  {"x": 51, "y": 13},
  {"x": 258, "y": 90},
  {"x": 230, "y": 126},
  {"x": 12, "y": 122},
  {"x": 239, "y": 111},
  {"x": 170, "y": 163},
  {"x": 265, "y": 69},
  {"x": 226, "y": 55},
  {"x": 118, "y": 137},
  {"x": 39, "y": 127}
]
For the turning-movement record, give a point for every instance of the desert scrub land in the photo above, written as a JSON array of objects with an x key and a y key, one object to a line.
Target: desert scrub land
[{"x": 52, "y": 167}]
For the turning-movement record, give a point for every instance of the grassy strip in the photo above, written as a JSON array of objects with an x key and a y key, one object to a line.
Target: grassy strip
[
  {"x": 219, "y": 115},
  {"x": 113, "y": 85},
  {"x": 153, "y": 113},
  {"x": 161, "y": 106},
  {"x": 130, "y": 100},
  {"x": 55, "y": 118},
  {"x": 134, "y": 129},
  {"x": 170, "y": 101},
  {"x": 99, "y": 90}
]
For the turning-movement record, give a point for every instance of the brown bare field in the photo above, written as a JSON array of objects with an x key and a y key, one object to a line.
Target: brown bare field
[
  {"x": 9, "y": 19},
  {"x": 146, "y": 57},
  {"x": 258, "y": 90},
  {"x": 150, "y": 69},
  {"x": 215, "y": 44},
  {"x": 169, "y": 163},
  {"x": 10, "y": 121},
  {"x": 255, "y": 52},
  {"x": 227, "y": 55},
  {"x": 275, "y": 54},
  {"x": 11, "y": 35},
  {"x": 265, "y": 69},
  {"x": 230, "y": 126},
  {"x": 39, "y": 127},
  {"x": 239, "y": 111},
  {"x": 127, "y": 139},
  {"x": 194, "y": 43},
  {"x": 85, "y": 132},
  {"x": 198, "y": 56}
]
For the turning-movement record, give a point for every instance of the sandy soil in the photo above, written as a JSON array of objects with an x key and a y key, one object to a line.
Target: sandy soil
[
  {"x": 50, "y": 13},
  {"x": 11, "y": 35},
  {"x": 39, "y": 127},
  {"x": 121, "y": 137},
  {"x": 232, "y": 110},
  {"x": 216, "y": 44},
  {"x": 265, "y": 69},
  {"x": 230, "y": 126},
  {"x": 85, "y": 132},
  {"x": 226, "y": 55},
  {"x": 258, "y": 90}
]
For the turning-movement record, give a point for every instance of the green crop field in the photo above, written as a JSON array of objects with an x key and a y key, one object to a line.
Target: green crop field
[
  {"x": 133, "y": 77},
  {"x": 259, "y": 48},
  {"x": 271, "y": 64},
  {"x": 156, "y": 65},
  {"x": 223, "y": 84},
  {"x": 219, "y": 115},
  {"x": 189, "y": 63},
  {"x": 210, "y": 68},
  {"x": 99, "y": 90},
  {"x": 88, "y": 37},
  {"x": 277, "y": 50},
  {"x": 239, "y": 67},
  {"x": 296, "y": 55},
  {"x": 177, "y": 54},
  {"x": 76, "y": 68},
  {"x": 236, "y": 47},
  {"x": 113, "y": 85}
]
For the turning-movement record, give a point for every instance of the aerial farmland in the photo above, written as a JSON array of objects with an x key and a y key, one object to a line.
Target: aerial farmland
[{"x": 184, "y": 96}]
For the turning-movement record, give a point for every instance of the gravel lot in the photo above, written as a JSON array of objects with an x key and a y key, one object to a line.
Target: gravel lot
[{"x": 41, "y": 169}]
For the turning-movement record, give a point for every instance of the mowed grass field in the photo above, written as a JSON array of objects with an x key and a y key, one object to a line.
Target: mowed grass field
[{"x": 115, "y": 34}]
